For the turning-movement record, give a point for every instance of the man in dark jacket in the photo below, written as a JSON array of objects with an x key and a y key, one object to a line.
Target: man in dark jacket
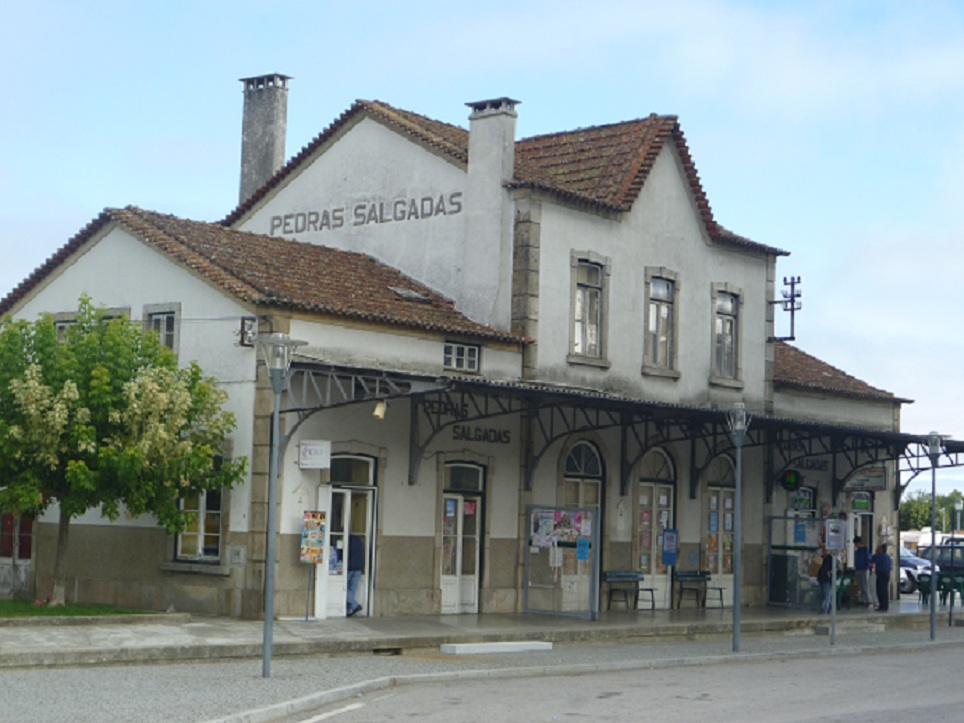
[
  {"x": 825, "y": 579},
  {"x": 356, "y": 565},
  {"x": 882, "y": 568},
  {"x": 862, "y": 568}
]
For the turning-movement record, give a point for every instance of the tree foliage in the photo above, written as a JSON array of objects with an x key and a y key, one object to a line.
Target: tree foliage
[
  {"x": 104, "y": 417},
  {"x": 915, "y": 511}
]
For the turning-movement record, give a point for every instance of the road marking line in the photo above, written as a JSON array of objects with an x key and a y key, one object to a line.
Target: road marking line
[{"x": 333, "y": 713}]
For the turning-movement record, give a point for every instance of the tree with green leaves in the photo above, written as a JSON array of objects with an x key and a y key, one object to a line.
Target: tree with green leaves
[
  {"x": 98, "y": 414},
  {"x": 915, "y": 511}
]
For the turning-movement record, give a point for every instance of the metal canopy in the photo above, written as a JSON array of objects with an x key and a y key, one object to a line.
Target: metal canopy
[{"x": 549, "y": 413}]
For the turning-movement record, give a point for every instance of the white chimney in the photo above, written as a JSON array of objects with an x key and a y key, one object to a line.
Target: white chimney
[
  {"x": 263, "y": 130},
  {"x": 487, "y": 288}
]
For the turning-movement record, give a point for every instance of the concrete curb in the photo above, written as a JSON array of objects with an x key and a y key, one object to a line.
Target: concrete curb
[{"x": 132, "y": 619}]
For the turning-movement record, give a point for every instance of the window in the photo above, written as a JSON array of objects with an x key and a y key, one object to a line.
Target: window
[
  {"x": 659, "y": 354},
  {"x": 163, "y": 325},
  {"x": 201, "y": 539},
  {"x": 461, "y": 357},
  {"x": 589, "y": 294},
  {"x": 587, "y": 319},
  {"x": 582, "y": 482},
  {"x": 61, "y": 326},
  {"x": 163, "y": 320},
  {"x": 354, "y": 471},
  {"x": 16, "y": 537},
  {"x": 463, "y": 478},
  {"x": 726, "y": 336}
]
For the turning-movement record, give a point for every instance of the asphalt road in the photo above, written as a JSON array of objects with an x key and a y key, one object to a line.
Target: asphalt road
[
  {"x": 880, "y": 687},
  {"x": 680, "y": 674}
]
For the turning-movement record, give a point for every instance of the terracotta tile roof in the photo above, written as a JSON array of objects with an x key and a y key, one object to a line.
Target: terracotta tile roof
[
  {"x": 795, "y": 369},
  {"x": 276, "y": 272},
  {"x": 603, "y": 166}
]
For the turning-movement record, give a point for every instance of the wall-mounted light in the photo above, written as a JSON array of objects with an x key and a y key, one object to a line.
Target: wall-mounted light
[{"x": 381, "y": 406}]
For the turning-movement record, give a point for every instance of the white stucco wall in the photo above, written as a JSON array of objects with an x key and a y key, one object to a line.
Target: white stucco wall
[
  {"x": 367, "y": 167},
  {"x": 662, "y": 230},
  {"x": 399, "y": 350},
  {"x": 404, "y": 509},
  {"x": 118, "y": 270},
  {"x": 834, "y": 409}
]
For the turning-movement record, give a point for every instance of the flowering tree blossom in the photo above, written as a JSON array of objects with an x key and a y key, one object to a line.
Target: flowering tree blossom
[{"x": 100, "y": 415}]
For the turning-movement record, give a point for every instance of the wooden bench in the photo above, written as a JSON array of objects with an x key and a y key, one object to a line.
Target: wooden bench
[{"x": 624, "y": 582}]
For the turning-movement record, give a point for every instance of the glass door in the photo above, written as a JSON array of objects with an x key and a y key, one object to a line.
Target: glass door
[
  {"x": 350, "y": 517},
  {"x": 460, "y": 553}
]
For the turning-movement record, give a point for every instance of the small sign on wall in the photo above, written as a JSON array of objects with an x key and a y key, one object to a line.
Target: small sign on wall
[{"x": 314, "y": 454}]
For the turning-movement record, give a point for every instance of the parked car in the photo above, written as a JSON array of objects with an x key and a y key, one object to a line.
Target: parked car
[
  {"x": 949, "y": 558},
  {"x": 911, "y": 566}
]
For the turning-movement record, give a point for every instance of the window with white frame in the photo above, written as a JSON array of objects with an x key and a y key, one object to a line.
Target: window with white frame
[
  {"x": 587, "y": 317},
  {"x": 201, "y": 538},
  {"x": 589, "y": 308},
  {"x": 163, "y": 319},
  {"x": 61, "y": 326},
  {"x": 726, "y": 335},
  {"x": 582, "y": 480},
  {"x": 659, "y": 353},
  {"x": 64, "y": 320},
  {"x": 461, "y": 357}
]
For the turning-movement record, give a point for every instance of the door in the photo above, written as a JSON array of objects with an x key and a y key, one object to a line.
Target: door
[
  {"x": 351, "y": 514},
  {"x": 460, "y": 553}
]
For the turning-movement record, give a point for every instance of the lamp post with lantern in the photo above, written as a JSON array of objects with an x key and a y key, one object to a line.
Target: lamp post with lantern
[
  {"x": 276, "y": 348},
  {"x": 934, "y": 452},
  {"x": 738, "y": 420}
]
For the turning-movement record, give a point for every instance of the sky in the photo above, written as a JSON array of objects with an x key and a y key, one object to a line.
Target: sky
[{"x": 830, "y": 129}]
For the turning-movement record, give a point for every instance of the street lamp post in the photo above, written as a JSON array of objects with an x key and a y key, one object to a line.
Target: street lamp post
[
  {"x": 276, "y": 348},
  {"x": 738, "y": 421},
  {"x": 958, "y": 506},
  {"x": 934, "y": 452}
]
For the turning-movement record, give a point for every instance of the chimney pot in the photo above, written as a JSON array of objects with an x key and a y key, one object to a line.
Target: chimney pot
[{"x": 263, "y": 130}]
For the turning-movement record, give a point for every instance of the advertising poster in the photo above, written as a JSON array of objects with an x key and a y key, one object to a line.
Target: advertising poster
[
  {"x": 542, "y": 524},
  {"x": 313, "y": 537},
  {"x": 670, "y": 539}
]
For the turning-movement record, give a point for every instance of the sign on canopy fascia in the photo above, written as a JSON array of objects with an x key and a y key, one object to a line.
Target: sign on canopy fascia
[{"x": 867, "y": 479}]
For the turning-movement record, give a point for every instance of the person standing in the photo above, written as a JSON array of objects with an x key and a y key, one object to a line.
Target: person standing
[
  {"x": 825, "y": 579},
  {"x": 882, "y": 568},
  {"x": 862, "y": 568},
  {"x": 356, "y": 565}
]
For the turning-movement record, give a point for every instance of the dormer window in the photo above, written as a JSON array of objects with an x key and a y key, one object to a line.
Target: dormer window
[{"x": 462, "y": 357}]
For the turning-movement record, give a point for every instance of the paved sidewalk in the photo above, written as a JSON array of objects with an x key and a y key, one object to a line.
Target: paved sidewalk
[{"x": 180, "y": 637}]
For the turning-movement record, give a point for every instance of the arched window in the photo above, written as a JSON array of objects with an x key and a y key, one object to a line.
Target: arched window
[{"x": 583, "y": 475}]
